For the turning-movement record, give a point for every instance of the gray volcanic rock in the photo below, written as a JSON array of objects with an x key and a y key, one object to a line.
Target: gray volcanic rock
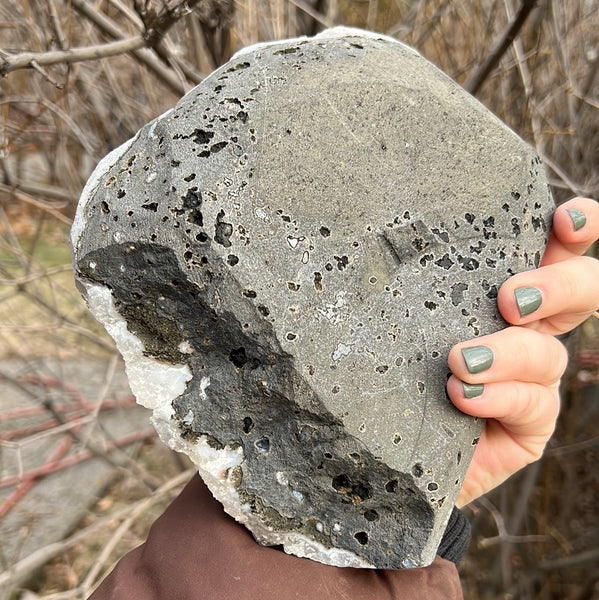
[{"x": 285, "y": 259}]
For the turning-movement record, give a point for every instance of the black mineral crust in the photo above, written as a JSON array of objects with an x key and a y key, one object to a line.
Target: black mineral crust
[{"x": 309, "y": 231}]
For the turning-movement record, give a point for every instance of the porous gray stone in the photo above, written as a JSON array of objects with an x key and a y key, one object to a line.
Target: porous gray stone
[{"x": 285, "y": 259}]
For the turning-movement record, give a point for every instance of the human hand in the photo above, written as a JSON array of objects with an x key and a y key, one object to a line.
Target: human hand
[{"x": 514, "y": 374}]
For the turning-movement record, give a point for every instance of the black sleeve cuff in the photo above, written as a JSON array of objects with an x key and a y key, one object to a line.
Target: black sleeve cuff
[{"x": 456, "y": 538}]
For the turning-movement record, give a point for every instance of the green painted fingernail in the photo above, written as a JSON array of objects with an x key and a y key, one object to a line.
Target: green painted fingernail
[
  {"x": 477, "y": 358},
  {"x": 473, "y": 390},
  {"x": 578, "y": 218},
  {"x": 528, "y": 300}
]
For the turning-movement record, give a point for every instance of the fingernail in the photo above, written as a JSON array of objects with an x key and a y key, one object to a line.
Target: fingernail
[
  {"x": 477, "y": 358},
  {"x": 578, "y": 218},
  {"x": 528, "y": 300},
  {"x": 473, "y": 390}
]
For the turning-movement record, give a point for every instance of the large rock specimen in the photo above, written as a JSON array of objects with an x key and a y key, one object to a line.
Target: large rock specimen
[{"x": 285, "y": 259}]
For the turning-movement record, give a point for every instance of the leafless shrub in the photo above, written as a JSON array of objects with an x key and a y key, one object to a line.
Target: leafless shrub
[{"x": 80, "y": 77}]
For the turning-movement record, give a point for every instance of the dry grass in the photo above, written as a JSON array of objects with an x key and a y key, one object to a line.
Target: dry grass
[{"x": 532, "y": 540}]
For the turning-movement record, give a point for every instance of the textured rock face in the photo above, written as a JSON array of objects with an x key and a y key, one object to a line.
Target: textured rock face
[{"x": 285, "y": 260}]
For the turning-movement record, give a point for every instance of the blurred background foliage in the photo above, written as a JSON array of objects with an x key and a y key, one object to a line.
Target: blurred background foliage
[{"x": 79, "y": 77}]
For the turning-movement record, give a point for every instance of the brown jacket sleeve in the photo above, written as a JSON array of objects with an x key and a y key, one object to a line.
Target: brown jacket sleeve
[{"x": 195, "y": 551}]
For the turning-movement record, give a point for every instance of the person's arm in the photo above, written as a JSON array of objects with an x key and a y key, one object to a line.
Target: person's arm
[{"x": 195, "y": 551}]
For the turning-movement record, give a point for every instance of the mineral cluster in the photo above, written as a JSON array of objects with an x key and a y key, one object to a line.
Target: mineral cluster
[{"x": 284, "y": 260}]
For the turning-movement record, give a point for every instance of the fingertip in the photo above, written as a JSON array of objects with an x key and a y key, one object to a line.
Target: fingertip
[
  {"x": 454, "y": 358},
  {"x": 506, "y": 303},
  {"x": 455, "y": 390},
  {"x": 577, "y": 221}
]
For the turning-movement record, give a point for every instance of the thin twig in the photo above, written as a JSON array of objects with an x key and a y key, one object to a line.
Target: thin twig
[
  {"x": 40, "y": 557},
  {"x": 17, "y": 103},
  {"x": 518, "y": 50},
  {"x": 18, "y": 281},
  {"x": 36, "y": 410},
  {"x": 157, "y": 27},
  {"x": 36, "y": 67},
  {"x": 45, "y": 206},
  {"x": 143, "y": 55},
  {"x": 572, "y": 186},
  {"x": 575, "y": 447},
  {"x": 128, "y": 12},
  {"x": 56, "y": 27},
  {"x": 527, "y": 486},
  {"x": 494, "y": 512},
  {"x": 570, "y": 561},
  {"x": 138, "y": 510},
  {"x": 57, "y": 465},
  {"x": 182, "y": 65},
  {"x": 52, "y": 426},
  {"x": 312, "y": 12},
  {"x": 511, "y": 539},
  {"x": 27, "y": 481},
  {"x": 46, "y": 190}
]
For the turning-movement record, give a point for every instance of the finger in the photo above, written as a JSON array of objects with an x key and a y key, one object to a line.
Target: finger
[
  {"x": 520, "y": 419},
  {"x": 512, "y": 354},
  {"x": 556, "y": 297},
  {"x": 524, "y": 409},
  {"x": 575, "y": 229}
]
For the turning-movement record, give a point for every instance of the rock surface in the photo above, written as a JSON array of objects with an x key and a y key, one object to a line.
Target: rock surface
[{"x": 285, "y": 259}]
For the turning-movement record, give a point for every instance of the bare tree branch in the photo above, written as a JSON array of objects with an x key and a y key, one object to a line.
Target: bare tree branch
[
  {"x": 56, "y": 27},
  {"x": 515, "y": 25},
  {"x": 145, "y": 56},
  {"x": 124, "y": 527},
  {"x": 40, "y": 557},
  {"x": 156, "y": 28},
  {"x": 43, "y": 205},
  {"x": 152, "y": 37},
  {"x": 569, "y": 561},
  {"x": 27, "y": 60}
]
